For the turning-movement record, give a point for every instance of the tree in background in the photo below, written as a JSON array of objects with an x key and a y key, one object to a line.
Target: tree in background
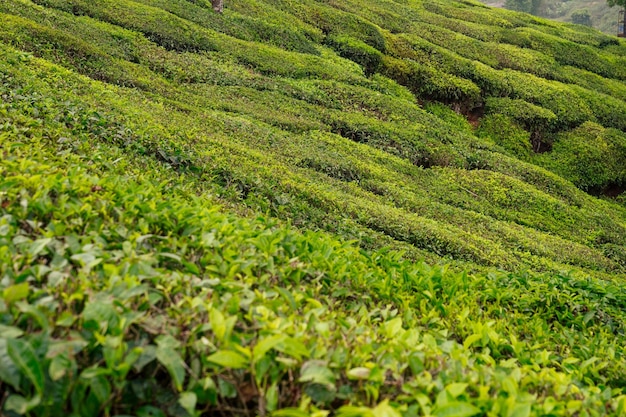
[
  {"x": 617, "y": 3},
  {"x": 529, "y": 6},
  {"x": 581, "y": 17}
]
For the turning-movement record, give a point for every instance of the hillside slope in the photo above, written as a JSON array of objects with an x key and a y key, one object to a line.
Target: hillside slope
[
  {"x": 597, "y": 13},
  {"x": 359, "y": 139}
]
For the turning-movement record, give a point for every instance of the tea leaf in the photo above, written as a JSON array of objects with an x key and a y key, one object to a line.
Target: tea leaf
[
  {"x": 228, "y": 359},
  {"x": 25, "y": 359},
  {"x": 456, "y": 409},
  {"x": 15, "y": 292}
]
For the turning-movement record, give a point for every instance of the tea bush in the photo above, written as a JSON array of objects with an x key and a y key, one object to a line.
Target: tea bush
[
  {"x": 360, "y": 52},
  {"x": 590, "y": 156}
]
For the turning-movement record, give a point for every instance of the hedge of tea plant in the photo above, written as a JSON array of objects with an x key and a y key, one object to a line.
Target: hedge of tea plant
[
  {"x": 126, "y": 296},
  {"x": 309, "y": 208}
]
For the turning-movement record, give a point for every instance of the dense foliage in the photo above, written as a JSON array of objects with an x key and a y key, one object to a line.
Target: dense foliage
[{"x": 304, "y": 208}]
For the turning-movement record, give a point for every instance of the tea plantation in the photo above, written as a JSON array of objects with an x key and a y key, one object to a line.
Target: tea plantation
[{"x": 309, "y": 208}]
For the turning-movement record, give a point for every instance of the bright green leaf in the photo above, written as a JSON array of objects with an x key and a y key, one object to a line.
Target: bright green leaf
[
  {"x": 352, "y": 411},
  {"x": 393, "y": 327},
  {"x": 15, "y": 292},
  {"x": 290, "y": 412},
  {"x": 385, "y": 410},
  {"x": 266, "y": 344},
  {"x": 470, "y": 340},
  {"x": 271, "y": 397},
  {"x": 10, "y": 332},
  {"x": 456, "y": 409},
  {"x": 218, "y": 324},
  {"x": 188, "y": 401},
  {"x": 228, "y": 359},
  {"x": 359, "y": 373},
  {"x": 293, "y": 347},
  {"x": 519, "y": 410},
  {"x": 456, "y": 389}
]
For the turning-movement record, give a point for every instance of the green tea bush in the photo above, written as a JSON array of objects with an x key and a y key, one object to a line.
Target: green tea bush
[
  {"x": 428, "y": 82},
  {"x": 524, "y": 60},
  {"x": 387, "y": 15},
  {"x": 242, "y": 27},
  {"x": 342, "y": 171},
  {"x": 157, "y": 25},
  {"x": 110, "y": 39},
  {"x": 274, "y": 61},
  {"x": 608, "y": 111},
  {"x": 482, "y": 32},
  {"x": 475, "y": 13},
  {"x": 569, "y": 108},
  {"x": 565, "y": 52},
  {"x": 409, "y": 142},
  {"x": 464, "y": 45},
  {"x": 383, "y": 98},
  {"x": 355, "y": 50},
  {"x": 336, "y": 22},
  {"x": 532, "y": 118},
  {"x": 153, "y": 155},
  {"x": 507, "y": 133},
  {"x": 583, "y": 35},
  {"x": 443, "y": 112},
  {"x": 69, "y": 50},
  {"x": 589, "y": 156},
  {"x": 89, "y": 350},
  {"x": 591, "y": 81}
]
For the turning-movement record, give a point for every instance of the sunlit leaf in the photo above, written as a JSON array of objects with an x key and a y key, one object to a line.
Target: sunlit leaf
[
  {"x": 228, "y": 359},
  {"x": 359, "y": 373},
  {"x": 15, "y": 292},
  {"x": 218, "y": 323},
  {"x": 290, "y": 412},
  {"x": 188, "y": 401},
  {"x": 384, "y": 409},
  {"x": 520, "y": 410},
  {"x": 456, "y": 409},
  {"x": 265, "y": 345}
]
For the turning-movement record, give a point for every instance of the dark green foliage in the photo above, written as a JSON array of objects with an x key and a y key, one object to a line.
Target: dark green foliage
[
  {"x": 581, "y": 17},
  {"x": 527, "y": 6}
]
